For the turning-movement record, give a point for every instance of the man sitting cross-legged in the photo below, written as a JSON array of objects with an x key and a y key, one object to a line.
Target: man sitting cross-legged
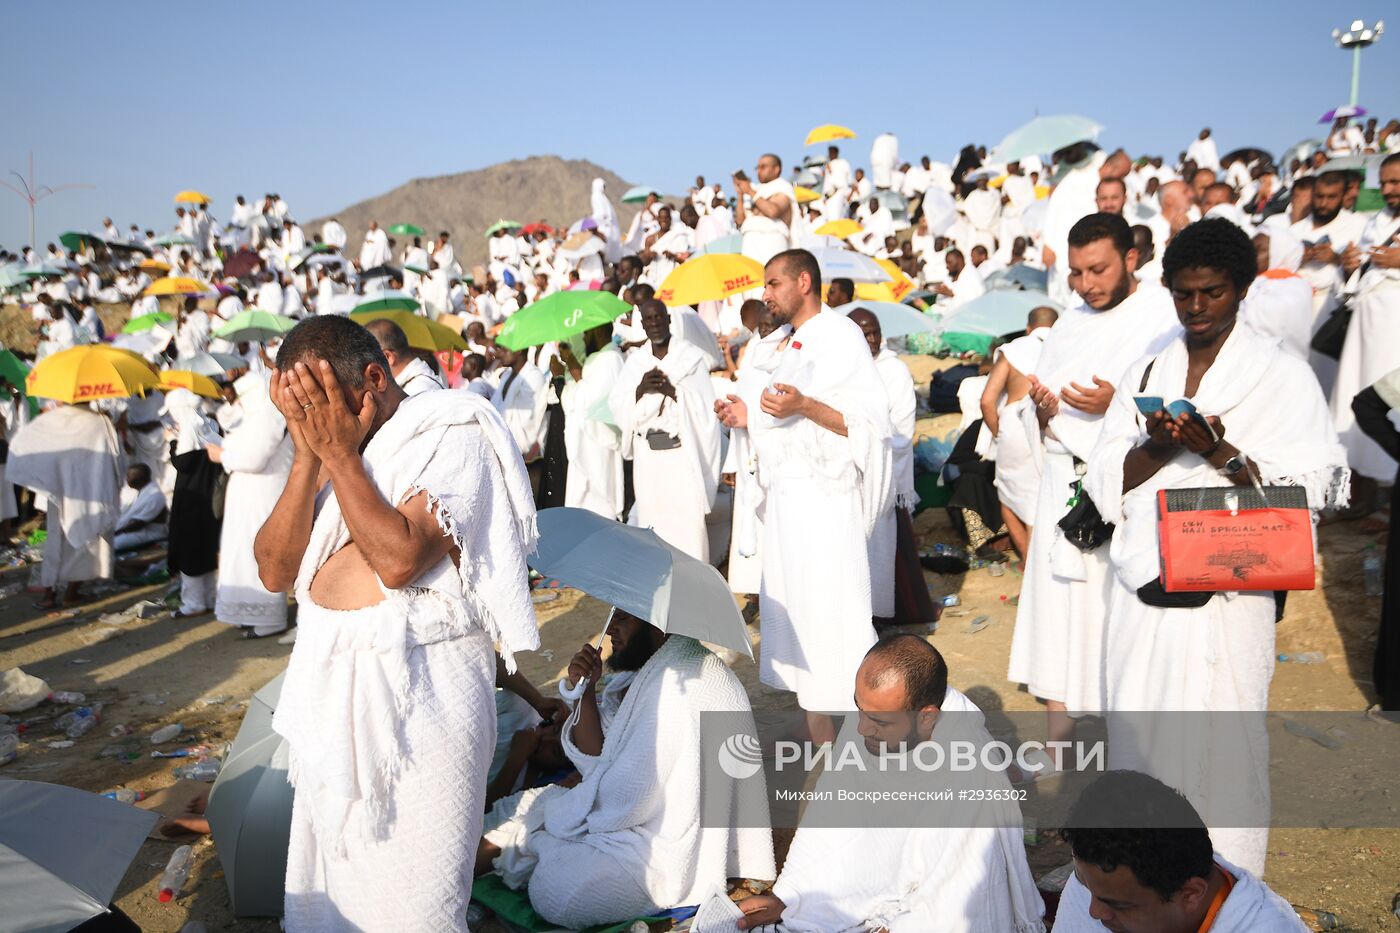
[
  {"x": 628, "y": 840},
  {"x": 967, "y": 876}
]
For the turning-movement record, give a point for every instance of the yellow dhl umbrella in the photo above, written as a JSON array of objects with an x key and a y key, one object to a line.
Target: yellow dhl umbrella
[
  {"x": 88, "y": 373},
  {"x": 175, "y": 285},
  {"x": 805, "y": 195},
  {"x": 841, "y": 229},
  {"x": 154, "y": 265},
  {"x": 829, "y": 131},
  {"x": 895, "y": 290},
  {"x": 184, "y": 379},
  {"x": 422, "y": 333},
  {"x": 191, "y": 197},
  {"x": 710, "y": 277}
]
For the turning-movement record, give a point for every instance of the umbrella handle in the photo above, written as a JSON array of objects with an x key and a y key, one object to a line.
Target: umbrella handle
[{"x": 573, "y": 692}]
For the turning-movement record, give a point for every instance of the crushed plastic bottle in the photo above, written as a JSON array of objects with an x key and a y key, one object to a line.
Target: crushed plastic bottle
[
  {"x": 1304, "y": 657},
  {"x": 177, "y": 871},
  {"x": 205, "y": 769},
  {"x": 9, "y": 748},
  {"x": 85, "y": 724},
  {"x": 193, "y": 751},
  {"x": 125, "y": 795},
  {"x": 67, "y": 696},
  {"x": 1372, "y": 572},
  {"x": 70, "y": 718},
  {"x": 950, "y": 600},
  {"x": 166, "y": 733}
]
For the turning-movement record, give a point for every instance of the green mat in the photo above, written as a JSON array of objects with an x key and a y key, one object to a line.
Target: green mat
[{"x": 513, "y": 908}]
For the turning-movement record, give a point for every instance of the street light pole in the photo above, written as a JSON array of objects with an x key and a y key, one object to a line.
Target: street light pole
[
  {"x": 32, "y": 194},
  {"x": 1358, "y": 37}
]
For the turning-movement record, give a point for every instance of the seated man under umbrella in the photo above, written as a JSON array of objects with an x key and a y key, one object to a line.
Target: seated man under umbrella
[{"x": 628, "y": 840}]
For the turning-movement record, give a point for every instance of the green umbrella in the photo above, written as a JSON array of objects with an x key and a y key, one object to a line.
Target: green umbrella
[
  {"x": 638, "y": 194},
  {"x": 79, "y": 241},
  {"x": 388, "y": 300},
  {"x": 502, "y": 225},
  {"x": 408, "y": 267},
  {"x": 173, "y": 239},
  {"x": 15, "y": 371},
  {"x": 255, "y": 325},
  {"x": 146, "y": 322},
  {"x": 559, "y": 316},
  {"x": 406, "y": 230}
]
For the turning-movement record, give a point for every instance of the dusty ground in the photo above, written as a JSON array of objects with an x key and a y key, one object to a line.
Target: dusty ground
[{"x": 1351, "y": 873}]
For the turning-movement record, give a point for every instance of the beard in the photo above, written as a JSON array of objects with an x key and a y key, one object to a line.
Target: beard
[{"x": 637, "y": 653}]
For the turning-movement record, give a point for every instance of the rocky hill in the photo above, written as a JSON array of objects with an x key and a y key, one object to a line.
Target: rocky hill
[{"x": 545, "y": 188}]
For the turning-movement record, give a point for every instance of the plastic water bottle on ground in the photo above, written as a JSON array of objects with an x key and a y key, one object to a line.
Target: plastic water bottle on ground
[
  {"x": 206, "y": 769},
  {"x": 166, "y": 733},
  {"x": 177, "y": 871},
  {"x": 1304, "y": 657},
  {"x": 950, "y": 600},
  {"x": 1372, "y": 572},
  {"x": 125, "y": 795},
  {"x": 9, "y": 748},
  {"x": 72, "y": 717},
  {"x": 66, "y": 696},
  {"x": 84, "y": 724}
]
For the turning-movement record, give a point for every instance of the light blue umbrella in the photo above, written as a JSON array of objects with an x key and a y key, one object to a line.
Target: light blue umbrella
[
  {"x": 63, "y": 851},
  {"x": 638, "y": 194},
  {"x": 848, "y": 264},
  {"x": 896, "y": 320},
  {"x": 1019, "y": 276},
  {"x": 1045, "y": 135},
  {"x": 729, "y": 243},
  {"x": 1000, "y": 311},
  {"x": 173, "y": 239},
  {"x": 42, "y": 270},
  {"x": 1302, "y": 149},
  {"x": 807, "y": 179},
  {"x": 11, "y": 275}
]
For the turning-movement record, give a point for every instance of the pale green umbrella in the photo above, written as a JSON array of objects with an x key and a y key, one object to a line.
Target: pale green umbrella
[
  {"x": 387, "y": 300},
  {"x": 502, "y": 225},
  {"x": 1044, "y": 135},
  {"x": 255, "y": 326},
  {"x": 638, "y": 195},
  {"x": 406, "y": 230}
]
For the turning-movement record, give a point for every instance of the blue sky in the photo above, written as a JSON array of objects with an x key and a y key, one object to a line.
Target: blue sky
[{"x": 329, "y": 103}]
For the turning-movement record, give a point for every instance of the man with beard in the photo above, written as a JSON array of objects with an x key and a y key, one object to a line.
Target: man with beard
[
  {"x": 1057, "y": 647},
  {"x": 967, "y": 875},
  {"x": 661, "y": 401},
  {"x": 820, "y": 429},
  {"x": 1329, "y": 233},
  {"x": 628, "y": 840}
]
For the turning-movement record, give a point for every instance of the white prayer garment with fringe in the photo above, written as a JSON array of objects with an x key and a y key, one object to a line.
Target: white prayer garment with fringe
[{"x": 389, "y": 710}]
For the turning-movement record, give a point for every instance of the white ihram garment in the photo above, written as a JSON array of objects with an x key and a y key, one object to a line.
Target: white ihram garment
[
  {"x": 899, "y": 389},
  {"x": 823, "y": 494},
  {"x": 1057, "y": 646},
  {"x": 1017, "y": 450},
  {"x": 593, "y": 445},
  {"x": 389, "y": 710}
]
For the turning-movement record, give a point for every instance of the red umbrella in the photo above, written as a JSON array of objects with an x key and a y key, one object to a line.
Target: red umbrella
[
  {"x": 530, "y": 229},
  {"x": 241, "y": 263}
]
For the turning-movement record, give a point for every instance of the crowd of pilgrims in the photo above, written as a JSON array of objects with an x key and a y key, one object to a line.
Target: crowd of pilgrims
[{"x": 1201, "y": 277}]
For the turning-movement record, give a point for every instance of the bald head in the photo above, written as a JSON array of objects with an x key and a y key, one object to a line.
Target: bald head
[
  {"x": 1044, "y": 316},
  {"x": 393, "y": 342},
  {"x": 869, "y": 326},
  {"x": 1175, "y": 196},
  {"x": 910, "y": 662}
]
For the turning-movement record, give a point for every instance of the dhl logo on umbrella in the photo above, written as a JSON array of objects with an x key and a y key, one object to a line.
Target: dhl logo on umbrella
[
  {"x": 95, "y": 390},
  {"x": 742, "y": 283}
]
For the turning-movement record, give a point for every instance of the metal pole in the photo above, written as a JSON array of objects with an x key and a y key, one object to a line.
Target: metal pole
[{"x": 1355, "y": 73}]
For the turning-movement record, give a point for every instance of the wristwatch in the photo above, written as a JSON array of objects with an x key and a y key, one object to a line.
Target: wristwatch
[{"x": 1232, "y": 466}]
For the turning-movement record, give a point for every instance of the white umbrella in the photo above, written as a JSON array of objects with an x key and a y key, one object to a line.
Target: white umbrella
[
  {"x": 63, "y": 851},
  {"x": 848, "y": 264},
  {"x": 896, "y": 320},
  {"x": 636, "y": 571},
  {"x": 213, "y": 365},
  {"x": 148, "y": 343}
]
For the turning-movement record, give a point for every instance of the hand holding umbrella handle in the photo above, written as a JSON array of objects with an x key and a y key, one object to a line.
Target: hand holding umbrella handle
[{"x": 572, "y": 692}]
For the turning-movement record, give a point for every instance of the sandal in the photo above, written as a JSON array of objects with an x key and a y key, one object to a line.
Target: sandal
[{"x": 251, "y": 634}]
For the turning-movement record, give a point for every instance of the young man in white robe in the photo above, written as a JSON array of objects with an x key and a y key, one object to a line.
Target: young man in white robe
[
  {"x": 73, "y": 457},
  {"x": 767, "y": 222},
  {"x": 1279, "y": 304},
  {"x": 1372, "y": 346},
  {"x": 668, "y": 247},
  {"x": 1328, "y": 232},
  {"x": 1004, "y": 397},
  {"x": 1143, "y": 860},
  {"x": 662, "y": 403},
  {"x": 375, "y": 250},
  {"x": 257, "y": 455},
  {"x": 593, "y": 443},
  {"x": 899, "y": 391},
  {"x": 629, "y": 839},
  {"x": 412, "y": 374},
  {"x": 1057, "y": 645},
  {"x": 1202, "y": 151},
  {"x": 522, "y": 398},
  {"x": 963, "y": 284},
  {"x": 1270, "y": 423},
  {"x": 407, "y": 565},
  {"x": 143, "y": 519},
  {"x": 970, "y": 876},
  {"x": 821, "y": 433}
]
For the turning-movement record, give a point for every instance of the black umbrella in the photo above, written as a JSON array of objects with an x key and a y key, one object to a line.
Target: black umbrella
[
  {"x": 1249, "y": 154},
  {"x": 393, "y": 272}
]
